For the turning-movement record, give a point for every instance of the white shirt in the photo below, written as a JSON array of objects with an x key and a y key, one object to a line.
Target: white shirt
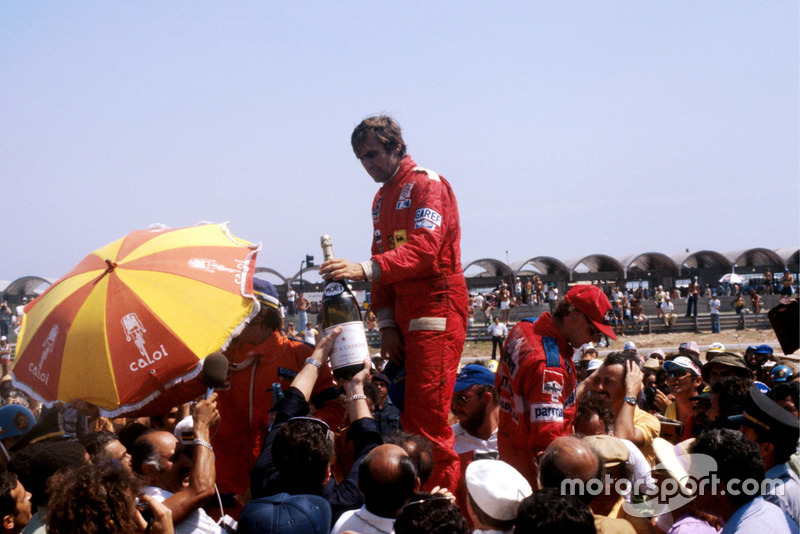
[
  {"x": 498, "y": 329},
  {"x": 466, "y": 442},
  {"x": 364, "y": 522},
  {"x": 713, "y": 306},
  {"x": 198, "y": 521},
  {"x": 667, "y": 306},
  {"x": 641, "y": 469}
]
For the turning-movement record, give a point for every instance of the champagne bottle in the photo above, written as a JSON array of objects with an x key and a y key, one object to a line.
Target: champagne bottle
[{"x": 340, "y": 308}]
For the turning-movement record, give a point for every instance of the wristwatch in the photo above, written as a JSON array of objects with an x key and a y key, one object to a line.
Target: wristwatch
[{"x": 631, "y": 400}]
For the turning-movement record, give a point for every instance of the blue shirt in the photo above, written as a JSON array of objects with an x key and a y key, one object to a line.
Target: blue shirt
[{"x": 760, "y": 516}]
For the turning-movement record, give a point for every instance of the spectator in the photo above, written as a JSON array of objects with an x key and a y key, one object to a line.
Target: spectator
[
  {"x": 309, "y": 334},
  {"x": 5, "y": 354},
  {"x": 536, "y": 378},
  {"x": 387, "y": 479},
  {"x": 5, "y": 318},
  {"x": 15, "y": 503},
  {"x": 571, "y": 458},
  {"x": 724, "y": 364},
  {"x": 713, "y": 311},
  {"x": 286, "y": 514},
  {"x": 755, "y": 301},
  {"x": 547, "y": 511},
  {"x": 301, "y": 306},
  {"x": 477, "y": 406},
  {"x": 182, "y": 484},
  {"x": 769, "y": 288},
  {"x": 291, "y": 333},
  {"x": 504, "y": 295},
  {"x": 385, "y": 414},
  {"x": 683, "y": 378},
  {"x": 620, "y": 379},
  {"x": 499, "y": 332},
  {"x": 290, "y": 296},
  {"x": 668, "y": 312},
  {"x": 737, "y": 459},
  {"x": 552, "y": 296},
  {"x": 298, "y": 450},
  {"x": 15, "y": 421},
  {"x": 728, "y": 396},
  {"x": 419, "y": 449},
  {"x": 693, "y": 295},
  {"x": 787, "y": 281},
  {"x": 619, "y": 319},
  {"x": 101, "y": 499},
  {"x": 104, "y": 446},
  {"x": 35, "y": 464},
  {"x": 432, "y": 514},
  {"x": 776, "y": 432},
  {"x": 495, "y": 491},
  {"x": 658, "y": 298}
]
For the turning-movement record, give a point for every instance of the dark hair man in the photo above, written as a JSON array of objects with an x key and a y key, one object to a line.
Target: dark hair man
[
  {"x": 776, "y": 432},
  {"x": 738, "y": 461},
  {"x": 298, "y": 449},
  {"x": 547, "y": 511},
  {"x": 418, "y": 289},
  {"x": 432, "y": 514},
  {"x": 536, "y": 379},
  {"x": 15, "y": 503},
  {"x": 387, "y": 479},
  {"x": 104, "y": 446}
]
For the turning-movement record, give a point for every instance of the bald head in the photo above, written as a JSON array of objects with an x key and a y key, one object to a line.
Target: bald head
[
  {"x": 387, "y": 478},
  {"x": 569, "y": 457}
]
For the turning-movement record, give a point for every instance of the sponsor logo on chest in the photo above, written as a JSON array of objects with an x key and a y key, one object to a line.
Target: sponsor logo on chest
[{"x": 404, "y": 200}]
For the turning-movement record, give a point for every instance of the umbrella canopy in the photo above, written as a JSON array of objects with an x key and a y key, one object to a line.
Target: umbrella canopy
[
  {"x": 136, "y": 317},
  {"x": 732, "y": 278}
]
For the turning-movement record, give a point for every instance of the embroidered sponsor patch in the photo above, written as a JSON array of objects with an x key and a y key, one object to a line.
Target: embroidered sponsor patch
[
  {"x": 547, "y": 413},
  {"x": 404, "y": 200},
  {"x": 400, "y": 238},
  {"x": 427, "y": 218},
  {"x": 377, "y": 236},
  {"x": 553, "y": 384},
  {"x": 377, "y": 211}
]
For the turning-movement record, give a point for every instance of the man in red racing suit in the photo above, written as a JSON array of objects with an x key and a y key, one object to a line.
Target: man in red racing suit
[
  {"x": 418, "y": 289},
  {"x": 536, "y": 379}
]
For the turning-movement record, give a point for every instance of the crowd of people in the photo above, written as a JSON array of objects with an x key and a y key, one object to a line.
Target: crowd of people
[
  {"x": 544, "y": 438},
  {"x": 315, "y": 455}
]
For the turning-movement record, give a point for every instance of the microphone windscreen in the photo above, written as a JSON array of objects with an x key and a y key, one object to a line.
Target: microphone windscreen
[{"x": 215, "y": 370}]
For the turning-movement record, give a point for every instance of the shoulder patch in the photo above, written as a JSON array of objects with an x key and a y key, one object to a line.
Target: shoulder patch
[{"x": 431, "y": 175}]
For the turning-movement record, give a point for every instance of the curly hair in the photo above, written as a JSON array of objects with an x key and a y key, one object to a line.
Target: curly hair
[
  {"x": 92, "y": 499},
  {"x": 302, "y": 452},
  {"x": 595, "y": 405},
  {"x": 547, "y": 511}
]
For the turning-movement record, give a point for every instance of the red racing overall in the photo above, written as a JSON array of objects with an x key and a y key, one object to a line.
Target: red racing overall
[
  {"x": 536, "y": 384},
  {"x": 417, "y": 245}
]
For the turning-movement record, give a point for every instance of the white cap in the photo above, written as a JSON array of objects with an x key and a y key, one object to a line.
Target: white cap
[
  {"x": 594, "y": 365},
  {"x": 629, "y": 345},
  {"x": 184, "y": 430},
  {"x": 3, "y": 338},
  {"x": 497, "y": 488}
]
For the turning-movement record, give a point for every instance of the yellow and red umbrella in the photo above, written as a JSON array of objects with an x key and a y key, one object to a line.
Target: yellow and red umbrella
[{"x": 136, "y": 317}]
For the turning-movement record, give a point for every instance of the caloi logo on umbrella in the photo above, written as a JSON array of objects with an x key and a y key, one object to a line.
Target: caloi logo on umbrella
[
  {"x": 134, "y": 331},
  {"x": 47, "y": 348}
]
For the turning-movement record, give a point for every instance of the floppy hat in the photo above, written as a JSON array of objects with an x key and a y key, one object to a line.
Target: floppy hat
[
  {"x": 729, "y": 360},
  {"x": 593, "y": 303},
  {"x": 611, "y": 450}
]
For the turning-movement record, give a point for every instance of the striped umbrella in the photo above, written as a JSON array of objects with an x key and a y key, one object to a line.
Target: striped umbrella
[{"x": 136, "y": 317}]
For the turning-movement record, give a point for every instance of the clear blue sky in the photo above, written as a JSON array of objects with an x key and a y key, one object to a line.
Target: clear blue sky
[{"x": 566, "y": 128}]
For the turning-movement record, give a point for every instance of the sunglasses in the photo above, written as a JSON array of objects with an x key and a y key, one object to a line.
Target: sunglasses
[
  {"x": 462, "y": 400},
  {"x": 677, "y": 373}
]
